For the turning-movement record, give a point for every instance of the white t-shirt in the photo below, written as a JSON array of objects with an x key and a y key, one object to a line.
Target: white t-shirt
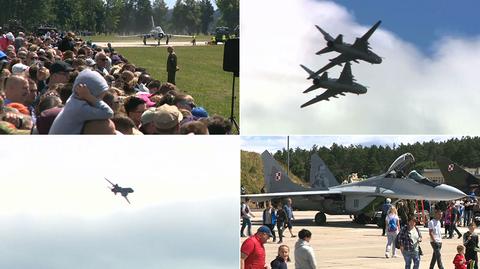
[{"x": 435, "y": 226}]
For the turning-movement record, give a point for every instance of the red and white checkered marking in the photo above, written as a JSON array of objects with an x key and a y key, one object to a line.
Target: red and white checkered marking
[
  {"x": 450, "y": 167},
  {"x": 278, "y": 176}
]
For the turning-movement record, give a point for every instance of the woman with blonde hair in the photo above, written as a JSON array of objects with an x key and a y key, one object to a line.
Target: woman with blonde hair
[
  {"x": 282, "y": 258},
  {"x": 392, "y": 223}
]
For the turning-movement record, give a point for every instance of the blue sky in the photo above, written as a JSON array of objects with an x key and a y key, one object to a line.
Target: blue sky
[
  {"x": 420, "y": 22},
  {"x": 424, "y": 84}
]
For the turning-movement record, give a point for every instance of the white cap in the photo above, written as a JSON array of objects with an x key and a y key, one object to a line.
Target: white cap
[
  {"x": 10, "y": 36},
  {"x": 389, "y": 200},
  {"x": 18, "y": 69}
]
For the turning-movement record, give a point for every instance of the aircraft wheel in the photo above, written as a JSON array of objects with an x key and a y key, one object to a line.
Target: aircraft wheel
[
  {"x": 362, "y": 219},
  {"x": 320, "y": 218}
]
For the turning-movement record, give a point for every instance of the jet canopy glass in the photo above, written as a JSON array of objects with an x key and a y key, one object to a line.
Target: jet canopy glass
[
  {"x": 400, "y": 166},
  {"x": 421, "y": 179}
]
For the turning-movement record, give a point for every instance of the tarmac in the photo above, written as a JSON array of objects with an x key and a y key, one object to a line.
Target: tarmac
[
  {"x": 344, "y": 244},
  {"x": 139, "y": 44}
]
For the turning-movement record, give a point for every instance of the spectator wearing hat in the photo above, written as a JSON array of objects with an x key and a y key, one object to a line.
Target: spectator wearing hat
[
  {"x": 162, "y": 120},
  {"x": 172, "y": 67},
  {"x": 85, "y": 104},
  {"x": 59, "y": 73},
  {"x": 19, "y": 69},
  {"x": 252, "y": 252},
  {"x": 304, "y": 255}
]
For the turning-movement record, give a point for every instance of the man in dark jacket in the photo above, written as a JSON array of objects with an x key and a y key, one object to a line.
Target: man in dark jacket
[{"x": 172, "y": 67}]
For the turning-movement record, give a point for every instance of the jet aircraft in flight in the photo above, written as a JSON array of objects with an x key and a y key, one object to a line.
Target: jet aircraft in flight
[
  {"x": 359, "y": 50},
  {"x": 117, "y": 189},
  {"x": 344, "y": 84}
]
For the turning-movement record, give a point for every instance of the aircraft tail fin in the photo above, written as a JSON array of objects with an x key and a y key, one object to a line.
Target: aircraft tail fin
[
  {"x": 339, "y": 39},
  {"x": 276, "y": 179},
  {"x": 324, "y": 76},
  {"x": 320, "y": 176},
  {"x": 456, "y": 176}
]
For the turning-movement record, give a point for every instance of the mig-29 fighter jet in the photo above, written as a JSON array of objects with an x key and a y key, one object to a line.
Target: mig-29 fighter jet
[{"x": 357, "y": 198}]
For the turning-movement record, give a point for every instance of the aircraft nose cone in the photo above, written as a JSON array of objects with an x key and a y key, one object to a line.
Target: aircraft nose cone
[
  {"x": 379, "y": 60},
  {"x": 449, "y": 192}
]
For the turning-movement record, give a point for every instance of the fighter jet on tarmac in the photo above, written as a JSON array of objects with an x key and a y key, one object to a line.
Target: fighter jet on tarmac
[
  {"x": 456, "y": 176},
  {"x": 123, "y": 191},
  {"x": 360, "y": 50},
  {"x": 345, "y": 83},
  {"x": 157, "y": 33},
  {"x": 357, "y": 198}
]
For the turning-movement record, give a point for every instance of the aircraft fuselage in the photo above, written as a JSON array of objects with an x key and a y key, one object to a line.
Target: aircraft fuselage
[
  {"x": 355, "y": 197},
  {"x": 348, "y": 49},
  {"x": 333, "y": 84}
]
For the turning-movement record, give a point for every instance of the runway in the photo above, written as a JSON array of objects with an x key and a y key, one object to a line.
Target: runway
[
  {"x": 343, "y": 244},
  {"x": 139, "y": 44}
]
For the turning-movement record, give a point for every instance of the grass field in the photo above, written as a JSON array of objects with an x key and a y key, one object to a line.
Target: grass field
[
  {"x": 201, "y": 74},
  {"x": 117, "y": 38}
]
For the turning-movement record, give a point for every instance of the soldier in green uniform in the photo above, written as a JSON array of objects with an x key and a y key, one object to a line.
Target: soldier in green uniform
[{"x": 172, "y": 67}]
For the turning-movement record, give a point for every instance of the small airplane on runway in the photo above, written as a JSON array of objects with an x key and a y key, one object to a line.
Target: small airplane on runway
[
  {"x": 117, "y": 189},
  {"x": 357, "y": 198}
]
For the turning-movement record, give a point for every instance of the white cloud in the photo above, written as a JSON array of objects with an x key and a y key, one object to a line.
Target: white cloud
[{"x": 408, "y": 93}]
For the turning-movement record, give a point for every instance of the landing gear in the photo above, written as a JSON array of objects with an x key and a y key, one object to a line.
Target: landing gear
[
  {"x": 320, "y": 218},
  {"x": 362, "y": 219}
]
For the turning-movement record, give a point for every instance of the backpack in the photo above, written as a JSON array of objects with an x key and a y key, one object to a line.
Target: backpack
[{"x": 392, "y": 225}]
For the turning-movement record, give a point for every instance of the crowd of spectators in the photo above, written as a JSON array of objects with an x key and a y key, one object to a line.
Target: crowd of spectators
[{"x": 59, "y": 84}]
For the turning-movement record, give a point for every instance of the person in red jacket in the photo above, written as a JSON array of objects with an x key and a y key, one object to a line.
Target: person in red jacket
[
  {"x": 252, "y": 250},
  {"x": 6, "y": 40},
  {"x": 459, "y": 260}
]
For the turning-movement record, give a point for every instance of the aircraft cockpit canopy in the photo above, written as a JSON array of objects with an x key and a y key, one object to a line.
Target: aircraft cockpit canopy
[
  {"x": 401, "y": 165},
  {"x": 421, "y": 179}
]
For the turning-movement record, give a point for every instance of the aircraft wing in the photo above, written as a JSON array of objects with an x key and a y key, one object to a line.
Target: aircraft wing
[
  {"x": 346, "y": 76},
  {"x": 126, "y": 199},
  {"x": 362, "y": 42},
  {"x": 342, "y": 58},
  {"x": 189, "y": 36},
  {"x": 324, "y": 96},
  {"x": 109, "y": 181},
  {"x": 268, "y": 196},
  {"x": 311, "y": 88}
]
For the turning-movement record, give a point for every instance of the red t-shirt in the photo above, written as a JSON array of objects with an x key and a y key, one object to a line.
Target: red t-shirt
[
  {"x": 457, "y": 260},
  {"x": 253, "y": 248}
]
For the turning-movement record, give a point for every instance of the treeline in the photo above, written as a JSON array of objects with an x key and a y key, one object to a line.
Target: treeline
[
  {"x": 120, "y": 16},
  {"x": 374, "y": 160}
]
